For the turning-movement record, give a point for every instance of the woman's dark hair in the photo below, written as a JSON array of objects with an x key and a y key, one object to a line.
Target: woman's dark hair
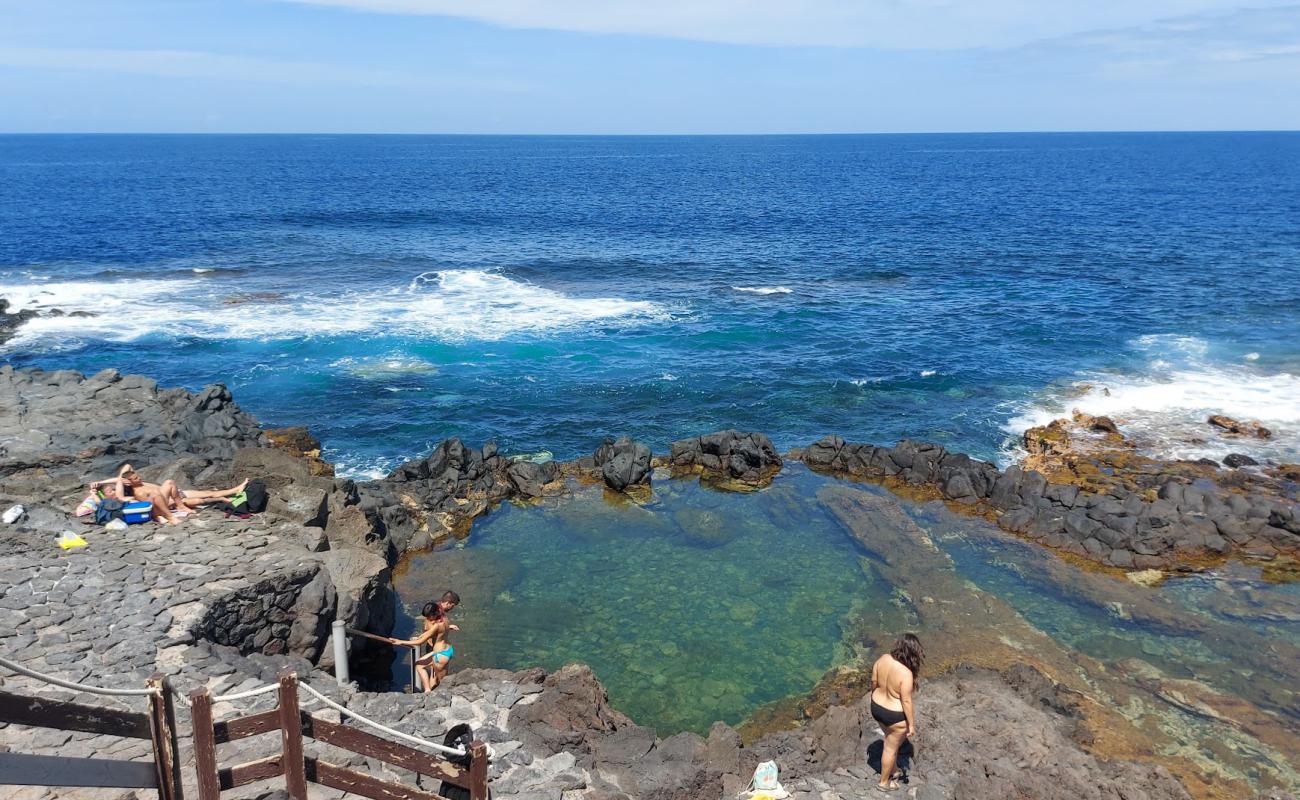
[
  {"x": 431, "y": 611},
  {"x": 909, "y": 652},
  {"x": 451, "y": 597}
]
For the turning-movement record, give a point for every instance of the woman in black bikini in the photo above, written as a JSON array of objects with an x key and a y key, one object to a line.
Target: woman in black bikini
[{"x": 893, "y": 679}]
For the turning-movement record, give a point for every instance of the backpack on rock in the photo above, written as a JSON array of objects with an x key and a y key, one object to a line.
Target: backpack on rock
[{"x": 764, "y": 785}]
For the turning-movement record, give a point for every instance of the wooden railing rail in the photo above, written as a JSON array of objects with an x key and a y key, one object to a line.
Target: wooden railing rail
[
  {"x": 158, "y": 727},
  {"x": 300, "y": 769}
]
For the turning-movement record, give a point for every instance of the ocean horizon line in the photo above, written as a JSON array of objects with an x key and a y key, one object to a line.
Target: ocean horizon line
[{"x": 713, "y": 135}]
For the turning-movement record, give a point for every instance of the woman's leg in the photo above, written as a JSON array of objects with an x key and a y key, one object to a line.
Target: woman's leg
[
  {"x": 895, "y": 735},
  {"x": 440, "y": 669},
  {"x": 160, "y": 512},
  {"x": 216, "y": 494}
]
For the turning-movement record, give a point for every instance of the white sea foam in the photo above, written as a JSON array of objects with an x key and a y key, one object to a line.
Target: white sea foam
[
  {"x": 925, "y": 373},
  {"x": 763, "y": 290},
  {"x": 384, "y": 367},
  {"x": 1164, "y": 408},
  {"x": 667, "y": 376},
  {"x": 449, "y": 305}
]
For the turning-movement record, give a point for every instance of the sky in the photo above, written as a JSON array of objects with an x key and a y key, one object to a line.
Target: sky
[{"x": 647, "y": 66}]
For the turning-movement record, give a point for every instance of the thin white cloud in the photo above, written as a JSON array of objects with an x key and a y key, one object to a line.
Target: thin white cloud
[
  {"x": 882, "y": 24},
  {"x": 1185, "y": 49},
  {"x": 240, "y": 68}
]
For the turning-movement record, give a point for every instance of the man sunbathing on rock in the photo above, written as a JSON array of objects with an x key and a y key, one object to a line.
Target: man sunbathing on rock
[{"x": 166, "y": 498}]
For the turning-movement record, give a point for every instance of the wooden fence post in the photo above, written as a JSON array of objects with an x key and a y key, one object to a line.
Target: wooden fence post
[
  {"x": 295, "y": 768},
  {"x": 478, "y": 771},
  {"x": 205, "y": 744},
  {"x": 162, "y": 731}
]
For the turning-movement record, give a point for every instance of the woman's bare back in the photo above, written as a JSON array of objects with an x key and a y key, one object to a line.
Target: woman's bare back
[{"x": 890, "y": 679}]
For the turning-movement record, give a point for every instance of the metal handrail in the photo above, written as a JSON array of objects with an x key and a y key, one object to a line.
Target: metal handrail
[{"x": 412, "y": 656}]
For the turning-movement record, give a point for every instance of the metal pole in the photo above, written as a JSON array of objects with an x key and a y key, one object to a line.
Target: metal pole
[{"x": 340, "y": 652}]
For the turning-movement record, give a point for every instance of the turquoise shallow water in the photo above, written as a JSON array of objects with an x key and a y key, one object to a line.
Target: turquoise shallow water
[{"x": 705, "y": 605}]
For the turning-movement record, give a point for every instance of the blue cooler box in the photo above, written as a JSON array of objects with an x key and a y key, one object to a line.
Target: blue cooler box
[{"x": 133, "y": 513}]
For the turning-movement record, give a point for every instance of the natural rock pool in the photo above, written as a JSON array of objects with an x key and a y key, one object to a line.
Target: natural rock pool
[{"x": 703, "y": 605}]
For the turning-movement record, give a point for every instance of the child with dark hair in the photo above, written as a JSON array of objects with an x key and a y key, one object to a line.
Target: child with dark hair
[{"x": 431, "y": 667}]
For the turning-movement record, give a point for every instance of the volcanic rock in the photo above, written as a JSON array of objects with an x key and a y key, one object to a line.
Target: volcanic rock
[
  {"x": 1234, "y": 428},
  {"x": 623, "y": 463},
  {"x": 731, "y": 458}
]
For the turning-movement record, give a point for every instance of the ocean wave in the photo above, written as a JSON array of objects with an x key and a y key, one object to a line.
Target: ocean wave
[
  {"x": 1163, "y": 408},
  {"x": 448, "y": 305},
  {"x": 763, "y": 290}
]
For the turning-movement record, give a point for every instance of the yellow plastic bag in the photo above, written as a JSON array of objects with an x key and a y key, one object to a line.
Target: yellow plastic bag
[{"x": 69, "y": 540}]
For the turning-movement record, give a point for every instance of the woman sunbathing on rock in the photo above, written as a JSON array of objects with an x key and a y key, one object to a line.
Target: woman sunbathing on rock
[
  {"x": 432, "y": 666},
  {"x": 166, "y": 498},
  {"x": 893, "y": 679}
]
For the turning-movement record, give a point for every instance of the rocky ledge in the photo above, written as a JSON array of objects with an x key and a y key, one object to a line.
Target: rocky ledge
[
  {"x": 1152, "y": 515},
  {"x": 225, "y": 602}
]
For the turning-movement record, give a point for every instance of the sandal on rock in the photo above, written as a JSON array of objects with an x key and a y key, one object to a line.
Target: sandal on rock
[{"x": 892, "y": 787}]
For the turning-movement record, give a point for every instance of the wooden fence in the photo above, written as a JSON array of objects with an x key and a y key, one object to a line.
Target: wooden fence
[
  {"x": 299, "y": 769},
  {"x": 158, "y": 726}
]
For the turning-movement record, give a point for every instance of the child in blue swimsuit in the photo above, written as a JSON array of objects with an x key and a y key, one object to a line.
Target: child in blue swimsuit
[{"x": 431, "y": 667}]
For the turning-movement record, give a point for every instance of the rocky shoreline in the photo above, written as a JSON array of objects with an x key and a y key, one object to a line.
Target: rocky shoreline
[{"x": 227, "y": 601}]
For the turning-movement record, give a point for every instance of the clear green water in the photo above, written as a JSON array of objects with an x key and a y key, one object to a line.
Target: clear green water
[
  {"x": 692, "y": 609},
  {"x": 704, "y": 606}
]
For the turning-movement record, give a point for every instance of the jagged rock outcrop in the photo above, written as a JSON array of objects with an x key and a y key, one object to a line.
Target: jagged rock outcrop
[
  {"x": 428, "y": 499},
  {"x": 623, "y": 463},
  {"x": 729, "y": 459},
  {"x": 299, "y": 442},
  {"x": 9, "y": 323},
  {"x": 1167, "y": 524}
]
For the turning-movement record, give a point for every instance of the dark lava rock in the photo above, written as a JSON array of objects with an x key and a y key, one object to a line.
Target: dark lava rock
[
  {"x": 1235, "y": 428},
  {"x": 299, "y": 441},
  {"x": 1236, "y": 460},
  {"x": 1123, "y": 527},
  {"x": 530, "y": 479},
  {"x": 9, "y": 323},
  {"x": 747, "y": 458},
  {"x": 1104, "y": 425},
  {"x": 623, "y": 463}
]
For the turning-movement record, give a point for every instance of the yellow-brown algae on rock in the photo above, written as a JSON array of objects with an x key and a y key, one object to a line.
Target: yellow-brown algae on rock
[{"x": 1146, "y": 577}]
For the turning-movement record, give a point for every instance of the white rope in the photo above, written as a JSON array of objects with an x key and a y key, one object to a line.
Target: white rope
[
  {"x": 413, "y": 739},
  {"x": 225, "y": 698},
  {"x": 80, "y": 687}
]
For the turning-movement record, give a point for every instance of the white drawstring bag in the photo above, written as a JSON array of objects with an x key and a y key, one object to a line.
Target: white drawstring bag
[{"x": 765, "y": 784}]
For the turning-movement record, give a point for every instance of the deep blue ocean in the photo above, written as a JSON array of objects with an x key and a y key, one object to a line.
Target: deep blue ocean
[{"x": 391, "y": 291}]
